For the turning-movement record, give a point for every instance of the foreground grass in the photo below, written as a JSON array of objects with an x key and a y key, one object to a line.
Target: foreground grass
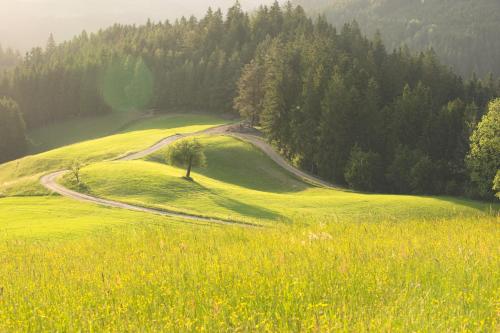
[
  {"x": 53, "y": 217},
  {"x": 21, "y": 177},
  {"x": 241, "y": 183},
  {"x": 440, "y": 275}
]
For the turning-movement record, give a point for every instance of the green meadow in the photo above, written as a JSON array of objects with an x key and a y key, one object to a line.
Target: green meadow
[
  {"x": 324, "y": 260},
  {"x": 241, "y": 183},
  {"x": 80, "y": 129},
  {"x": 351, "y": 276},
  {"x": 20, "y": 177}
]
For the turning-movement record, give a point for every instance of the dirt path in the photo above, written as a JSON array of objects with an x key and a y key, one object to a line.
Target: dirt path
[
  {"x": 280, "y": 160},
  {"x": 50, "y": 181}
]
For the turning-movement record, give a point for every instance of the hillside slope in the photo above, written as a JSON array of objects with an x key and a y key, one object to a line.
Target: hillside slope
[
  {"x": 242, "y": 183},
  {"x": 463, "y": 33}
]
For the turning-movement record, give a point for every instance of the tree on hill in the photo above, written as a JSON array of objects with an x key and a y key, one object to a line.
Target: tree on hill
[
  {"x": 187, "y": 153},
  {"x": 483, "y": 159},
  {"x": 315, "y": 90}
]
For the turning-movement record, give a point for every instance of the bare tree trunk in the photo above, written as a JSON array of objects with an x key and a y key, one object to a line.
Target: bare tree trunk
[{"x": 188, "y": 173}]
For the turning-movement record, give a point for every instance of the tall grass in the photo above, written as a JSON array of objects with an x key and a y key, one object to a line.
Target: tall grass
[{"x": 356, "y": 276}]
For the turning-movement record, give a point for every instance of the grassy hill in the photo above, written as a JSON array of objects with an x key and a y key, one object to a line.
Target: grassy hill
[
  {"x": 326, "y": 260},
  {"x": 20, "y": 177},
  {"x": 76, "y": 130},
  {"x": 242, "y": 183}
]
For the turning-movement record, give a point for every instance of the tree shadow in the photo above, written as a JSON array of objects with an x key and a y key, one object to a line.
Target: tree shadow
[
  {"x": 492, "y": 208},
  {"x": 240, "y": 207}
]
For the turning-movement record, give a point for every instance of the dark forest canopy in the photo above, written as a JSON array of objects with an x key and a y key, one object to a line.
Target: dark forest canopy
[
  {"x": 330, "y": 100},
  {"x": 463, "y": 33},
  {"x": 12, "y": 139}
]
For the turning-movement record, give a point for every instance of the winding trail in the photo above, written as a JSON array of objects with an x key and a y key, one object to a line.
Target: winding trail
[
  {"x": 281, "y": 161},
  {"x": 49, "y": 181}
]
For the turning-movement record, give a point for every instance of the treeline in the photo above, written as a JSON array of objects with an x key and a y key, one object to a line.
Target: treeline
[
  {"x": 8, "y": 59},
  {"x": 330, "y": 100},
  {"x": 342, "y": 107},
  {"x": 12, "y": 137},
  {"x": 463, "y": 33}
]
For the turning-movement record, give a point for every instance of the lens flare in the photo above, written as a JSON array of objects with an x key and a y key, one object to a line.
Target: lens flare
[{"x": 127, "y": 84}]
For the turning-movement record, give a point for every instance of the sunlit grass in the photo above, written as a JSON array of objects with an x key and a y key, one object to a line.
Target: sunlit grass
[
  {"x": 326, "y": 260},
  {"x": 21, "y": 177},
  {"x": 316, "y": 276},
  {"x": 53, "y": 217},
  {"x": 241, "y": 183}
]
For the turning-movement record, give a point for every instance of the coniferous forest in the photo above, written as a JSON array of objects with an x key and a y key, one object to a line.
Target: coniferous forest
[
  {"x": 463, "y": 33},
  {"x": 335, "y": 103}
]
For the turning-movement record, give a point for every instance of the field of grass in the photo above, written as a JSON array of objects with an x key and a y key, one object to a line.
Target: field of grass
[
  {"x": 52, "y": 217},
  {"x": 21, "y": 177},
  {"x": 241, "y": 183},
  {"x": 80, "y": 129},
  {"x": 417, "y": 276},
  {"x": 326, "y": 260}
]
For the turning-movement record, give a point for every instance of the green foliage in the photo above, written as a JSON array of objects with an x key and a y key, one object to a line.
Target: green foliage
[
  {"x": 364, "y": 170},
  {"x": 75, "y": 169},
  {"x": 483, "y": 159},
  {"x": 496, "y": 184},
  {"x": 250, "y": 92},
  {"x": 316, "y": 91},
  {"x": 399, "y": 171},
  {"x": 463, "y": 33},
  {"x": 12, "y": 130},
  {"x": 423, "y": 176},
  {"x": 186, "y": 153}
]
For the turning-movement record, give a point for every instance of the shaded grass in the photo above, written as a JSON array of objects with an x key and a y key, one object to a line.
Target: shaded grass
[
  {"x": 241, "y": 183},
  {"x": 21, "y": 177},
  {"x": 346, "y": 276}
]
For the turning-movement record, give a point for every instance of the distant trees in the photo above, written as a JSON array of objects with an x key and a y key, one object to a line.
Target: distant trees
[
  {"x": 483, "y": 159},
  {"x": 250, "y": 92},
  {"x": 344, "y": 108},
  {"x": 186, "y": 153},
  {"x": 8, "y": 59},
  {"x": 12, "y": 131},
  {"x": 463, "y": 33},
  {"x": 364, "y": 171},
  {"x": 336, "y": 103}
]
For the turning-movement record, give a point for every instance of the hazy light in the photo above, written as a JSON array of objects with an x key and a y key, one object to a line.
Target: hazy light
[{"x": 127, "y": 84}]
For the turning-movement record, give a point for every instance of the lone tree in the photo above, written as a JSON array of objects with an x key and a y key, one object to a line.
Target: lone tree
[
  {"x": 75, "y": 168},
  {"x": 186, "y": 153}
]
